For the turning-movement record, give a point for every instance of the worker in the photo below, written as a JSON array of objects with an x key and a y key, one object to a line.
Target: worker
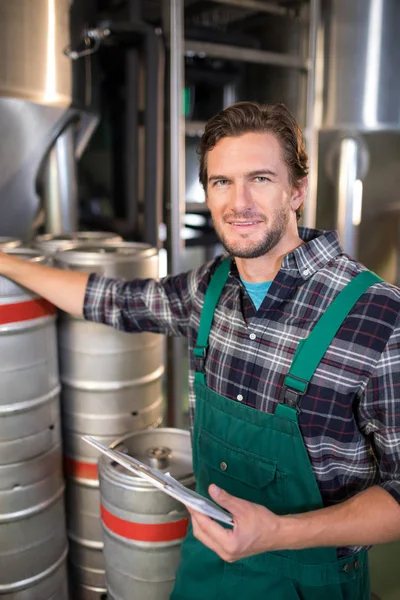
[{"x": 294, "y": 375}]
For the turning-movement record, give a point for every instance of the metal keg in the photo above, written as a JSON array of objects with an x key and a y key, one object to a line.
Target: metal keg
[
  {"x": 51, "y": 243},
  {"x": 87, "y": 567},
  {"x": 111, "y": 385},
  {"x": 52, "y": 585},
  {"x": 9, "y": 242},
  {"x": 87, "y": 592},
  {"x": 143, "y": 527},
  {"x": 29, "y": 403},
  {"x": 33, "y": 540}
]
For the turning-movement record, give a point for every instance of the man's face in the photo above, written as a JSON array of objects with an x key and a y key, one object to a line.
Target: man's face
[{"x": 248, "y": 193}]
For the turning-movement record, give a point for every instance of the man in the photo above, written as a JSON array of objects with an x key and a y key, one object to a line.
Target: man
[{"x": 296, "y": 418}]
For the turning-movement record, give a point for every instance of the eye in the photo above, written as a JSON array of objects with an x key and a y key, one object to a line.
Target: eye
[
  {"x": 261, "y": 179},
  {"x": 221, "y": 182}
]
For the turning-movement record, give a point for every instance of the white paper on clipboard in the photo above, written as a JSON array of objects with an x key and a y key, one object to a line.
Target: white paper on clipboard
[{"x": 165, "y": 483}]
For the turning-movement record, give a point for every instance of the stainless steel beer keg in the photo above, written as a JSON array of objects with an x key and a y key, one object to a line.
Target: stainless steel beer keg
[
  {"x": 51, "y": 243},
  {"x": 111, "y": 385},
  {"x": 51, "y": 586},
  {"x": 86, "y": 558},
  {"x": 29, "y": 403},
  {"x": 87, "y": 592},
  {"x": 143, "y": 527},
  {"x": 33, "y": 541}
]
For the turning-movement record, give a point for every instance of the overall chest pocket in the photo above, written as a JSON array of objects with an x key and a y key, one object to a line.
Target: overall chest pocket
[{"x": 240, "y": 473}]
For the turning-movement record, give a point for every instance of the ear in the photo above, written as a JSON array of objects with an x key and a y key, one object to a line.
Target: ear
[{"x": 299, "y": 194}]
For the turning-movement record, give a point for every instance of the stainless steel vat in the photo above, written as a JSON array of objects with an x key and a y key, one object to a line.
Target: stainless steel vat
[
  {"x": 33, "y": 36},
  {"x": 143, "y": 527},
  {"x": 362, "y": 55},
  {"x": 35, "y": 96},
  {"x": 51, "y": 243},
  {"x": 357, "y": 113},
  {"x": 111, "y": 386}
]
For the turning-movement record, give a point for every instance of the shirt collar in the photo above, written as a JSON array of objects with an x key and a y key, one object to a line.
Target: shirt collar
[{"x": 319, "y": 249}]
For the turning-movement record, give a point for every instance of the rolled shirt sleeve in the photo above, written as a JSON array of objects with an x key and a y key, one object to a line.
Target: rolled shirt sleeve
[
  {"x": 143, "y": 304},
  {"x": 380, "y": 407}
]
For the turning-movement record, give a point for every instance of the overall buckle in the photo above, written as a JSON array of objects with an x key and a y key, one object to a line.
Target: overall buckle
[
  {"x": 199, "y": 358},
  {"x": 291, "y": 397}
]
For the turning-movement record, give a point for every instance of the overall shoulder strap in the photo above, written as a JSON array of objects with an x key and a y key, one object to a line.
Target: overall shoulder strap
[
  {"x": 311, "y": 350},
  {"x": 213, "y": 292}
]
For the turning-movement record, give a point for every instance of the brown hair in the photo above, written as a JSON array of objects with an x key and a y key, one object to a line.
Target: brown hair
[{"x": 250, "y": 117}]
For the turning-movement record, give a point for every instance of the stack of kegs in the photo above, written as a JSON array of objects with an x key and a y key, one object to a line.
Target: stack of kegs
[
  {"x": 144, "y": 527},
  {"x": 111, "y": 386},
  {"x": 33, "y": 542}
]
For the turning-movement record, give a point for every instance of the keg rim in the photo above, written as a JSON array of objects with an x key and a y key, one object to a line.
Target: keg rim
[
  {"x": 36, "y": 579},
  {"x": 7, "y": 241},
  {"x": 29, "y": 254},
  {"x": 89, "y": 253},
  {"x": 106, "y": 470},
  {"x": 77, "y": 236}
]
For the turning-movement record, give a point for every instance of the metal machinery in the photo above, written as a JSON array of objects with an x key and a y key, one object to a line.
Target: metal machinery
[
  {"x": 45, "y": 122},
  {"x": 357, "y": 119}
]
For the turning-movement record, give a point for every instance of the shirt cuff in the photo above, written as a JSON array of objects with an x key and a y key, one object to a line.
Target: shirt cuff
[
  {"x": 393, "y": 487},
  {"x": 93, "y": 304}
]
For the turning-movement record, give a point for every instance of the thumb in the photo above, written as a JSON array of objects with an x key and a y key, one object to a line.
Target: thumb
[{"x": 231, "y": 503}]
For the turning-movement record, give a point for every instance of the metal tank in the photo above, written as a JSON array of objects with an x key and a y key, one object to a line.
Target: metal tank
[
  {"x": 43, "y": 129},
  {"x": 362, "y": 55},
  {"x": 111, "y": 385},
  {"x": 143, "y": 527},
  {"x": 358, "y": 117}
]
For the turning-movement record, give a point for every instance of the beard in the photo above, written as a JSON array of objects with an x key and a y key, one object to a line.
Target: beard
[{"x": 254, "y": 249}]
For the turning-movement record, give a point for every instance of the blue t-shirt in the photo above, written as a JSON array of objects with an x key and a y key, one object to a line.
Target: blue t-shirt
[{"x": 257, "y": 291}]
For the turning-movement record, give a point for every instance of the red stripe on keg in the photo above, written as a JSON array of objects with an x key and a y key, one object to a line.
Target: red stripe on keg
[
  {"x": 26, "y": 311},
  {"x": 145, "y": 532},
  {"x": 81, "y": 470}
]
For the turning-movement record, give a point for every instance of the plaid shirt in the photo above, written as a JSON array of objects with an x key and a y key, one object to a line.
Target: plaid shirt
[{"x": 350, "y": 415}]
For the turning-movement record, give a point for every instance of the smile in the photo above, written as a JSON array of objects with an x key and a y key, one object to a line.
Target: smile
[{"x": 244, "y": 223}]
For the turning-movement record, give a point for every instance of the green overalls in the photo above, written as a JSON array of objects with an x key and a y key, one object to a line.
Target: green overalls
[{"x": 262, "y": 458}]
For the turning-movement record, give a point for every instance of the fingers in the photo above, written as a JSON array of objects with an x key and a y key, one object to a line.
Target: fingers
[
  {"x": 212, "y": 535},
  {"x": 234, "y": 505}
]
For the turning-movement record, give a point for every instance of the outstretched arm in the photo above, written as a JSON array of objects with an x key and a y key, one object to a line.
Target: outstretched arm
[{"x": 64, "y": 289}]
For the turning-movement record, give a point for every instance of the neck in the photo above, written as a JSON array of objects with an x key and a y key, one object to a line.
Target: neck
[{"x": 265, "y": 267}]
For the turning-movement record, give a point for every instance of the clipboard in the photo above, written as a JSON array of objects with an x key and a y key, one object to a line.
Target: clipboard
[{"x": 165, "y": 483}]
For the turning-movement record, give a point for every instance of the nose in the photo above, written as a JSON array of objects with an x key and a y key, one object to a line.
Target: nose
[{"x": 241, "y": 196}]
